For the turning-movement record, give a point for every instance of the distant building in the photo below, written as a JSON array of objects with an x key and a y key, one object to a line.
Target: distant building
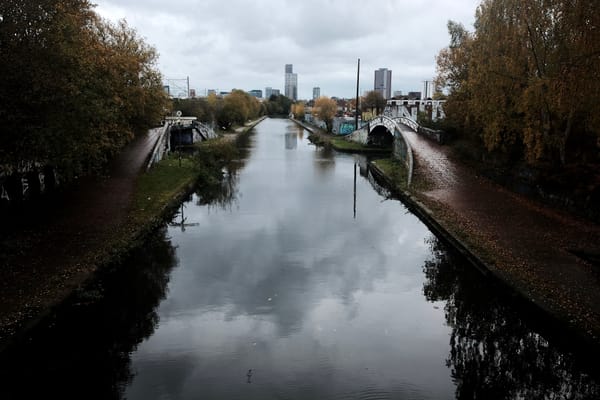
[
  {"x": 429, "y": 88},
  {"x": 414, "y": 95},
  {"x": 383, "y": 82},
  {"x": 192, "y": 93},
  {"x": 397, "y": 93},
  {"x": 291, "y": 83},
  {"x": 316, "y": 93},
  {"x": 211, "y": 91},
  {"x": 256, "y": 93},
  {"x": 269, "y": 91}
]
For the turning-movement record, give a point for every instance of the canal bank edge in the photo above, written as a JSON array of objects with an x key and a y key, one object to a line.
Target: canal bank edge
[
  {"x": 576, "y": 335},
  {"x": 320, "y": 138},
  {"x": 102, "y": 255},
  {"x": 536, "y": 304}
]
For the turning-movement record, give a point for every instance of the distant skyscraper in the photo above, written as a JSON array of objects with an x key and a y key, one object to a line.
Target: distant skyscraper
[
  {"x": 291, "y": 83},
  {"x": 383, "y": 82},
  {"x": 256, "y": 93},
  {"x": 429, "y": 89},
  {"x": 316, "y": 93}
]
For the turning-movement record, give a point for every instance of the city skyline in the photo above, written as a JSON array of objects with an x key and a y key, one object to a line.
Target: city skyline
[{"x": 238, "y": 45}]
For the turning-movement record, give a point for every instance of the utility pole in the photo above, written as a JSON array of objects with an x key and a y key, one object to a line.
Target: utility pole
[
  {"x": 188, "y": 87},
  {"x": 357, "y": 101}
]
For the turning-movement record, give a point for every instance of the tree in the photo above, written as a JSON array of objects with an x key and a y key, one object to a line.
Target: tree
[
  {"x": 237, "y": 108},
  {"x": 196, "y": 107},
  {"x": 279, "y": 105},
  {"x": 325, "y": 109},
  {"x": 373, "y": 100},
  {"x": 75, "y": 88},
  {"x": 298, "y": 110},
  {"x": 521, "y": 82}
]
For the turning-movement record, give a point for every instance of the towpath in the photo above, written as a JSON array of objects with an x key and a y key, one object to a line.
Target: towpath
[
  {"x": 529, "y": 245},
  {"x": 50, "y": 254}
]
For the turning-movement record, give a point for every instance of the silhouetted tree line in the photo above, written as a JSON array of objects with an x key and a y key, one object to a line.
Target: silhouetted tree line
[
  {"x": 84, "y": 349},
  {"x": 523, "y": 86},
  {"x": 75, "y": 88},
  {"x": 494, "y": 352}
]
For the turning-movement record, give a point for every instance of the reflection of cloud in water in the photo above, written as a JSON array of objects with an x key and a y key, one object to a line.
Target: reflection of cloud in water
[
  {"x": 299, "y": 258},
  {"x": 291, "y": 285}
]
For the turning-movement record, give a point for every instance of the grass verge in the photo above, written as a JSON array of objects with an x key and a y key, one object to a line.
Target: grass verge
[
  {"x": 160, "y": 186},
  {"x": 394, "y": 170}
]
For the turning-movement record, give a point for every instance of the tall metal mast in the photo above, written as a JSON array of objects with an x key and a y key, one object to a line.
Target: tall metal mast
[{"x": 357, "y": 101}]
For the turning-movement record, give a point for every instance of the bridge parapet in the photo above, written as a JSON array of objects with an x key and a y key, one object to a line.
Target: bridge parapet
[
  {"x": 412, "y": 124},
  {"x": 160, "y": 146}
]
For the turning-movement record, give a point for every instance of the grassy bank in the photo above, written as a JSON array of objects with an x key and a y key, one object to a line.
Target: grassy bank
[
  {"x": 34, "y": 293},
  {"x": 395, "y": 171},
  {"x": 160, "y": 186},
  {"x": 340, "y": 144},
  {"x": 173, "y": 177}
]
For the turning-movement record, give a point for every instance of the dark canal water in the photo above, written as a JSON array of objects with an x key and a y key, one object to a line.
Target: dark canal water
[{"x": 296, "y": 281}]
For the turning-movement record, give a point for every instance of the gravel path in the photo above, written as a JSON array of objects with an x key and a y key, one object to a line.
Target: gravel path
[
  {"x": 530, "y": 245},
  {"x": 58, "y": 247}
]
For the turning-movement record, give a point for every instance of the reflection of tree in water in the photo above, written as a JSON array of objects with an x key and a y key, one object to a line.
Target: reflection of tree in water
[
  {"x": 222, "y": 193},
  {"x": 324, "y": 158},
  {"x": 83, "y": 351},
  {"x": 494, "y": 352}
]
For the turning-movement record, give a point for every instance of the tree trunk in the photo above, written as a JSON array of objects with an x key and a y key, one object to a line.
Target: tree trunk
[{"x": 565, "y": 137}]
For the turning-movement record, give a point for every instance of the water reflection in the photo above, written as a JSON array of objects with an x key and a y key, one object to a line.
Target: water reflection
[
  {"x": 83, "y": 351},
  {"x": 324, "y": 161},
  {"x": 493, "y": 351},
  {"x": 286, "y": 295},
  {"x": 291, "y": 140}
]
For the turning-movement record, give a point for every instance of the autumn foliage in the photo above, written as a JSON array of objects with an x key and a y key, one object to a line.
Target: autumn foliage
[
  {"x": 75, "y": 88},
  {"x": 325, "y": 109},
  {"x": 525, "y": 82}
]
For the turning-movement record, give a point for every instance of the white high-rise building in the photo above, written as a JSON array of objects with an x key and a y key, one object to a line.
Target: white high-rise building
[
  {"x": 291, "y": 83},
  {"x": 383, "y": 82}
]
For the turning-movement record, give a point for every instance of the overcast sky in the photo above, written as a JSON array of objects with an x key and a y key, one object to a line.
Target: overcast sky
[{"x": 225, "y": 44}]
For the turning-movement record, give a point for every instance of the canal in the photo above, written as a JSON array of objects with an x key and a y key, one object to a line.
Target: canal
[{"x": 301, "y": 279}]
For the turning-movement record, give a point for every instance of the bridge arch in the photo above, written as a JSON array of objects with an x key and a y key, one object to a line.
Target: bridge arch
[
  {"x": 380, "y": 136},
  {"x": 382, "y": 126},
  {"x": 402, "y": 148}
]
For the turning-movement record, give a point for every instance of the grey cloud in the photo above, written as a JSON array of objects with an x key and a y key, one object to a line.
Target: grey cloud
[{"x": 243, "y": 44}]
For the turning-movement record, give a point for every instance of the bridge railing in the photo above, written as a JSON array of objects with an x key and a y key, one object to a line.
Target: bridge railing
[
  {"x": 160, "y": 147},
  {"x": 412, "y": 124}
]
